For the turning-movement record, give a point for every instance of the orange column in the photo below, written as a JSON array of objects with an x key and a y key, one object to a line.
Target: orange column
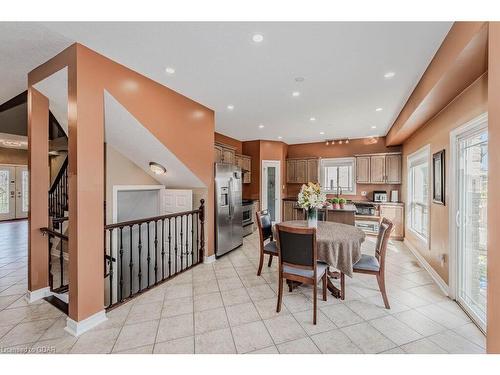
[
  {"x": 38, "y": 167},
  {"x": 493, "y": 329},
  {"x": 86, "y": 195}
]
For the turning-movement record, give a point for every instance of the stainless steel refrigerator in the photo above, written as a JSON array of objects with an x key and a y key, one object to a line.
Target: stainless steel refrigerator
[{"x": 228, "y": 209}]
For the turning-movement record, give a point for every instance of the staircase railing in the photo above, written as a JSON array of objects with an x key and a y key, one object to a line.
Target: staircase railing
[
  {"x": 143, "y": 253},
  {"x": 58, "y": 192},
  {"x": 58, "y": 276}
]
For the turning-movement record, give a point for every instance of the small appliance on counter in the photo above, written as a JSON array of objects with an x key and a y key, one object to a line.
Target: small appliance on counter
[
  {"x": 380, "y": 196},
  {"x": 365, "y": 209},
  {"x": 395, "y": 196}
]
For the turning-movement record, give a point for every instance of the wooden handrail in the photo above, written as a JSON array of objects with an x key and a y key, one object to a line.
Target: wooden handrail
[
  {"x": 59, "y": 175},
  {"x": 54, "y": 233},
  {"x": 149, "y": 219}
]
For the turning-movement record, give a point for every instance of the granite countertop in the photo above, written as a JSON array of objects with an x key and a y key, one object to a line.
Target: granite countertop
[{"x": 294, "y": 199}]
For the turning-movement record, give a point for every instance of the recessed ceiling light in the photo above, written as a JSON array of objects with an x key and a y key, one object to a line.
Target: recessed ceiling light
[
  {"x": 169, "y": 70},
  {"x": 258, "y": 38},
  {"x": 280, "y": 137},
  {"x": 389, "y": 75},
  {"x": 299, "y": 79},
  {"x": 295, "y": 93},
  {"x": 312, "y": 119},
  {"x": 374, "y": 127},
  {"x": 230, "y": 107},
  {"x": 321, "y": 133},
  {"x": 261, "y": 126},
  {"x": 378, "y": 109}
]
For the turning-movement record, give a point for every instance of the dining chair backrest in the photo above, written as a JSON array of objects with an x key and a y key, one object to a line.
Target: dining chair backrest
[
  {"x": 384, "y": 232},
  {"x": 297, "y": 246},
  {"x": 264, "y": 224}
]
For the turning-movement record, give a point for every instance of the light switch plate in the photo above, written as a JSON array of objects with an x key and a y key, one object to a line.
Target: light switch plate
[{"x": 363, "y": 193}]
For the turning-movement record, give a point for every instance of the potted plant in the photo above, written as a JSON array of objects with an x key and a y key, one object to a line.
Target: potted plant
[
  {"x": 342, "y": 203},
  {"x": 311, "y": 198},
  {"x": 336, "y": 203}
]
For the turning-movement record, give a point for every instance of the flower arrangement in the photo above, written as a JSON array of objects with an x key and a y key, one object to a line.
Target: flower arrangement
[{"x": 311, "y": 197}]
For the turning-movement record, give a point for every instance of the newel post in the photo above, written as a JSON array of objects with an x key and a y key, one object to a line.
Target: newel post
[{"x": 202, "y": 229}]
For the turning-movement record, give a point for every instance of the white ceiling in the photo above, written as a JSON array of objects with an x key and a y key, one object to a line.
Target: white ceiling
[{"x": 218, "y": 64}]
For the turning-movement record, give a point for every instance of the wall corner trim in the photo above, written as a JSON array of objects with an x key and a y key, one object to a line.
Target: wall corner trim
[
  {"x": 435, "y": 276},
  {"x": 35, "y": 295},
  {"x": 209, "y": 259},
  {"x": 77, "y": 328}
]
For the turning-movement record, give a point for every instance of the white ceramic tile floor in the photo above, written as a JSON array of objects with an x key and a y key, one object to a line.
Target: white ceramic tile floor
[{"x": 224, "y": 307}]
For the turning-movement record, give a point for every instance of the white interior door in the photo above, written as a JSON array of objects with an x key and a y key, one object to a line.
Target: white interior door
[
  {"x": 7, "y": 192},
  {"x": 22, "y": 192},
  {"x": 470, "y": 160},
  {"x": 271, "y": 192}
]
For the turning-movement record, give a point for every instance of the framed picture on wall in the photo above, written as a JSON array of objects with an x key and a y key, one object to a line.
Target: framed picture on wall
[{"x": 438, "y": 177}]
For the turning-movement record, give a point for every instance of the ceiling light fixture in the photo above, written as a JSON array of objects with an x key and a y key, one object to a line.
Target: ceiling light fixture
[
  {"x": 261, "y": 126},
  {"x": 280, "y": 137},
  {"x": 157, "y": 168},
  {"x": 389, "y": 75},
  {"x": 230, "y": 107},
  {"x": 378, "y": 109},
  {"x": 374, "y": 127},
  {"x": 312, "y": 119},
  {"x": 169, "y": 70},
  {"x": 295, "y": 93},
  {"x": 258, "y": 38},
  {"x": 321, "y": 133},
  {"x": 299, "y": 79}
]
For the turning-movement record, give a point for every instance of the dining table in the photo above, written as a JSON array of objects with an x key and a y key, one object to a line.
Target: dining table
[{"x": 339, "y": 246}]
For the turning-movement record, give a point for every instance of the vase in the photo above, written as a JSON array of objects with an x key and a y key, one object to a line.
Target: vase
[
  {"x": 336, "y": 206},
  {"x": 312, "y": 217}
]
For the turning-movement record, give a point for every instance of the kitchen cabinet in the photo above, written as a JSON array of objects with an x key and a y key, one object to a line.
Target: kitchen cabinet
[
  {"x": 394, "y": 213},
  {"x": 378, "y": 168},
  {"x": 227, "y": 154},
  {"x": 393, "y": 169},
  {"x": 255, "y": 209},
  {"x": 363, "y": 170},
  {"x": 312, "y": 170},
  {"x": 301, "y": 171},
  {"x": 218, "y": 154},
  {"x": 288, "y": 210},
  {"x": 238, "y": 161}
]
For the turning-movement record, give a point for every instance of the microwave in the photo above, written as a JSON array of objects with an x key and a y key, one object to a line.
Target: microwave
[{"x": 379, "y": 196}]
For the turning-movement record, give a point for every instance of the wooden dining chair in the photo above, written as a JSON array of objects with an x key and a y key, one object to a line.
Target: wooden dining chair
[
  {"x": 266, "y": 234},
  {"x": 297, "y": 254},
  {"x": 375, "y": 265}
]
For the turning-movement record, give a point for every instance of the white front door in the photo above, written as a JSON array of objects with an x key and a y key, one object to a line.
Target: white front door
[
  {"x": 22, "y": 192},
  {"x": 469, "y": 200},
  {"x": 271, "y": 192},
  {"x": 7, "y": 192}
]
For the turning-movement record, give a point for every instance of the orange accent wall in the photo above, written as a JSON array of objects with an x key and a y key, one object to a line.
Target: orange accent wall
[
  {"x": 436, "y": 133},
  {"x": 38, "y": 167},
  {"x": 221, "y": 138},
  {"x": 185, "y": 127},
  {"x": 493, "y": 330}
]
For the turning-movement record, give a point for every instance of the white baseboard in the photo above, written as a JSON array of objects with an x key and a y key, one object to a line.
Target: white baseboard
[
  {"x": 209, "y": 259},
  {"x": 35, "y": 295},
  {"x": 77, "y": 328},
  {"x": 435, "y": 276}
]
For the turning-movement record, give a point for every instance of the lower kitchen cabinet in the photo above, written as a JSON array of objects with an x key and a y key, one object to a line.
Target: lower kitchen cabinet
[{"x": 394, "y": 213}]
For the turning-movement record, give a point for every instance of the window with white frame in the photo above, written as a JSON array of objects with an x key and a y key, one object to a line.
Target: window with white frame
[
  {"x": 338, "y": 176},
  {"x": 418, "y": 192}
]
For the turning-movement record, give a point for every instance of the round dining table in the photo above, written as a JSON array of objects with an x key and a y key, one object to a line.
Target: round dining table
[{"x": 339, "y": 245}]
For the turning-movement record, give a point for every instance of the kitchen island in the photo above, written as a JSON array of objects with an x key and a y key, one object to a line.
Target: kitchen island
[{"x": 343, "y": 215}]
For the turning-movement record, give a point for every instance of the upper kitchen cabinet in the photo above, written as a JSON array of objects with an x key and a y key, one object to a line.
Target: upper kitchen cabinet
[
  {"x": 301, "y": 171},
  {"x": 378, "y": 168},
  {"x": 363, "y": 170},
  {"x": 227, "y": 154}
]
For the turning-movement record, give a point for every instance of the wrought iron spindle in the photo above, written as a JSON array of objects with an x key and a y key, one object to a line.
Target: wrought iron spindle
[
  {"x": 175, "y": 248},
  {"x": 202, "y": 229},
  {"x": 131, "y": 263},
  {"x": 148, "y": 255},
  {"x": 162, "y": 249},
  {"x": 169, "y": 248},
  {"x": 61, "y": 260},
  {"x": 51, "y": 275},
  {"x": 182, "y": 257},
  {"x": 120, "y": 264},
  {"x": 111, "y": 266},
  {"x": 192, "y": 239},
  {"x": 187, "y": 241},
  {"x": 140, "y": 257},
  {"x": 156, "y": 252}
]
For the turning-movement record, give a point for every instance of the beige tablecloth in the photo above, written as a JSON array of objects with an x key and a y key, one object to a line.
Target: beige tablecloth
[{"x": 339, "y": 245}]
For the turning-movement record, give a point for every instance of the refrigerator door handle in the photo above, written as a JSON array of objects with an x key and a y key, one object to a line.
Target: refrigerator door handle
[{"x": 230, "y": 197}]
